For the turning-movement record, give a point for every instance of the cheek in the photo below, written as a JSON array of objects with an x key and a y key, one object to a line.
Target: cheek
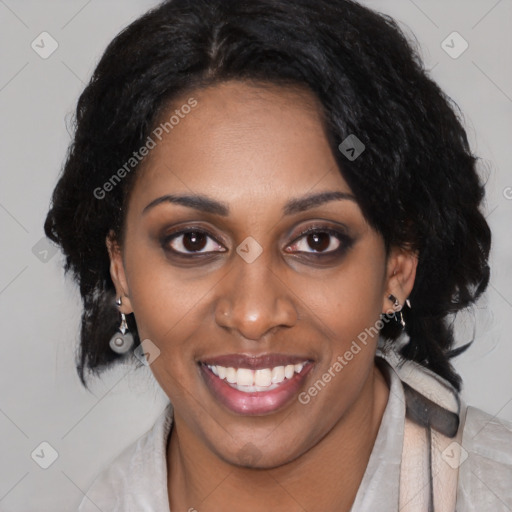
[
  {"x": 350, "y": 301},
  {"x": 350, "y": 307},
  {"x": 168, "y": 317},
  {"x": 166, "y": 306}
]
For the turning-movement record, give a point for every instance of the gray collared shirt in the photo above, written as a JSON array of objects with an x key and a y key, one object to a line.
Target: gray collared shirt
[
  {"x": 379, "y": 488},
  {"x": 136, "y": 481}
]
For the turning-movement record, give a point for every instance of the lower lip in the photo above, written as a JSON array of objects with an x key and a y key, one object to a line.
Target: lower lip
[{"x": 258, "y": 402}]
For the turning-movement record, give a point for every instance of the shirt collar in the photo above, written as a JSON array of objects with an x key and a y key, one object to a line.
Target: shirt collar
[
  {"x": 431, "y": 401},
  {"x": 414, "y": 390},
  {"x": 379, "y": 488}
]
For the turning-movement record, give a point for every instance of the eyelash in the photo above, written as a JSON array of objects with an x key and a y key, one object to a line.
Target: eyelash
[{"x": 345, "y": 242}]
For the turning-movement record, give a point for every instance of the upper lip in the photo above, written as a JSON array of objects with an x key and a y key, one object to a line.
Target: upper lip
[{"x": 254, "y": 362}]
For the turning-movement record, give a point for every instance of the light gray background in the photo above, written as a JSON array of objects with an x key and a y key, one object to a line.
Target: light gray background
[{"x": 41, "y": 397}]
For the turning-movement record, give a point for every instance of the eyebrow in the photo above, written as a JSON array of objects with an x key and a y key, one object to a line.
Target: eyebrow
[{"x": 208, "y": 205}]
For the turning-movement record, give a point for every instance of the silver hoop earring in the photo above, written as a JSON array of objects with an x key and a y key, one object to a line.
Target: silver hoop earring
[
  {"x": 122, "y": 341},
  {"x": 398, "y": 309}
]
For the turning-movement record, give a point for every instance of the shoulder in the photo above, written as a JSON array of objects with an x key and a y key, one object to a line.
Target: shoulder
[
  {"x": 484, "y": 441},
  {"x": 488, "y": 438},
  {"x": 487, "y": 435},
  {"x": 485, "y": 473},
  {"x": 137, "y": 478}
]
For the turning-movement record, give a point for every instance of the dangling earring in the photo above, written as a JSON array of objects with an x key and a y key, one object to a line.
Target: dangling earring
[
  {"x": 398, "y": 309},
  {"x": 122, "y": 341}
]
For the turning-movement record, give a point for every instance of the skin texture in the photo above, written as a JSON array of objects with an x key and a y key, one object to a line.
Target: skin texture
[{"x": 255, "y": 148}]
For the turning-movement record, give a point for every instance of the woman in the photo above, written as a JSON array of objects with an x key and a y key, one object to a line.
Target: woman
[{"x": 274, "y": 207}]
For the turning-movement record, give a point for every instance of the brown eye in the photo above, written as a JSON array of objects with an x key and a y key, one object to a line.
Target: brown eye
[
  {"x": 319, "y": 241},
  {"x": 191, "y": 242}
]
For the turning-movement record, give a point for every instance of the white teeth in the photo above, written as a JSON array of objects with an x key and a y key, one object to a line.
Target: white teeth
[
  {"x": 263, "y": 379},
  {"x": 244, "y": 377},
  {"x": 230, "y": 375},
  {"x": 289, "y": 370},
  {"x": 277, "y": 374},
  {"x": 252, "y": 389}
]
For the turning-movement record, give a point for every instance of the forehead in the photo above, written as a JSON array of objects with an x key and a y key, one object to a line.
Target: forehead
[{"x": 241, "y": 141}]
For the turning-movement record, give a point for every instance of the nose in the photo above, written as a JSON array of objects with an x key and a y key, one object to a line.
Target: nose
[{"x": 253, "y": 300}]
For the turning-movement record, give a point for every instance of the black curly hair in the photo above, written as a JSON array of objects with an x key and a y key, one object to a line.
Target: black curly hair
[{"x": 416, "y": 182}]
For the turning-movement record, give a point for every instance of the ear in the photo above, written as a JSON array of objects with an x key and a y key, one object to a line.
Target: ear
[
  {"x": 400, "y": 275},
  {"x": 117, "y": 273}
]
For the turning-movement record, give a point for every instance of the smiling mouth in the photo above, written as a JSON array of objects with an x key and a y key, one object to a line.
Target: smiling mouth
[
  {"x": 264, "y": 379},
  {"x": 255, "y": 385}
]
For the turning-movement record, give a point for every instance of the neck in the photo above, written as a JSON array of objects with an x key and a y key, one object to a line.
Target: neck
[{"x": 324, "y": 478}]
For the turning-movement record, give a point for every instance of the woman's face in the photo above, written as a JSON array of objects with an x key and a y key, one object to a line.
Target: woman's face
[{"x": 223, "y": 279}]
